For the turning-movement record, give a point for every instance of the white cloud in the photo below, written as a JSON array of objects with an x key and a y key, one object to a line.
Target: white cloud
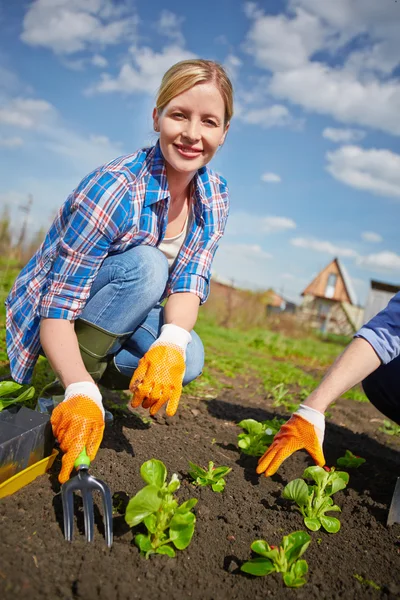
[
  {"x": 99, "y": 61},
  {"x": 271, "y": 178},
  {"x": 276, "y": 115},
  {"x": 256, "y": 226},
  {"x": 26, "y": 113},
  {"x": 275, "y": 224},
  {"x": 323, "y": 246},
  {"x": 371, "y": 236},
  {"x": 244, "y": 264},
  {"x": 69, "y": 26},
  {"x": 343, "y": 135},
  {"x": 11, "y": 142},
  {"x": 373, "y": 170},
  {"x": 360, "y": 88},
  {"x": 232, "y": 65},
  {"x": 144, "y": 73},
  {"x": 169, "y": 25},
  {"x": 383, "y": 261}
]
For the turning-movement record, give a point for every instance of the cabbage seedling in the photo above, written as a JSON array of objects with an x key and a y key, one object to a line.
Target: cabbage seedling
[
  {"x": 350, "y": 460},
  {"x": 155, "y": 505},
  {"x": 10, "y": 387},
  {"x": 281, "y": 559},
  {"x": 213, "y": 476},
  {"x": 258, "y": 435},
  {"x": 313, "y": 501}
]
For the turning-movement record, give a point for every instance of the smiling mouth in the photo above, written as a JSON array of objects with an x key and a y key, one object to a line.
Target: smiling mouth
[{"x": 188, "y": 151}]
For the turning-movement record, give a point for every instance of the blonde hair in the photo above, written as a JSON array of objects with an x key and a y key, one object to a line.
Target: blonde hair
[{"x": 187, "y": 73}]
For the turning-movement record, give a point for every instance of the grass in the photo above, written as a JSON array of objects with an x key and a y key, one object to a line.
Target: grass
[{"x": 283, "y": 368}]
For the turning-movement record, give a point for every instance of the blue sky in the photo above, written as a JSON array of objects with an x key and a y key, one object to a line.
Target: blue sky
[{"x": 312, "y": 157}]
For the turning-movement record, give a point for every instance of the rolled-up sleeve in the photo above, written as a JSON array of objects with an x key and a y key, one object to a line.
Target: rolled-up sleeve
[
  {"x": 98, "y": 213},
  {"x": 383, "y": 331}
]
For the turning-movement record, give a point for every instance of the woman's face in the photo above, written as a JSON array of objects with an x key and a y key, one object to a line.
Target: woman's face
[{"x": 191, "y": 128}]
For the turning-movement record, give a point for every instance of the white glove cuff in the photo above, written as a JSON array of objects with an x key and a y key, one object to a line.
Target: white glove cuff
[
  {"x": 173, "y": 334},
  {"x": 314, "y": 417},
  {"x": 85, "y": 388}
]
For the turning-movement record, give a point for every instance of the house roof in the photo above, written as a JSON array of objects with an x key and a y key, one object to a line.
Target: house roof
[
  {"x": 384, "y": 287},
  {"x": 347, "y": 282}
]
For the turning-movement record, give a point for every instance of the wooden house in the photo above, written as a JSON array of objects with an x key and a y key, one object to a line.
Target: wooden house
[
  {"x": 276, "y": 303},
  {"x": 330, "y": 303},
  {"x": 379, "y": 295}
]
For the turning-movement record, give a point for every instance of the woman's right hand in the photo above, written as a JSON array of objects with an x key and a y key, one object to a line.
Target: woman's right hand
[
  {"x": 304, "y": 430},
  {"x": 78, "y": 423}
]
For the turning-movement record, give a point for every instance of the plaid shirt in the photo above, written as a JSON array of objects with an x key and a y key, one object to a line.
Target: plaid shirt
[{"x": 116, "y": 207}]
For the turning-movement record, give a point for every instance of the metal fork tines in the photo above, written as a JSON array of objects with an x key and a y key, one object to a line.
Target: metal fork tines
[{"x": 86, "y": 484}]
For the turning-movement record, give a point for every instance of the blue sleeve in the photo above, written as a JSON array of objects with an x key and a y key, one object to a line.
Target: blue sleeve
[{"x": 383, "y": 331}]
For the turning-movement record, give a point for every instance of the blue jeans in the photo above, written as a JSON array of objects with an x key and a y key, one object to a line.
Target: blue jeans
[
  {"x": 124, "y": 300},
  {"x": 382, "y": 389}
]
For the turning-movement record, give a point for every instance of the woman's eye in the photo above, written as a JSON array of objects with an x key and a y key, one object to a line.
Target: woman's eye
[
  {"x": 211, "y": 122},
  {"x": 178, "y": 115}
]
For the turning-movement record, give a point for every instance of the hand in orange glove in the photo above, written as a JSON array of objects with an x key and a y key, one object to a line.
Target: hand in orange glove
[
  {"x": 305, "y": 429},
  {"x": 159, "y": 375},
  {"x": 78, "y": 423}
]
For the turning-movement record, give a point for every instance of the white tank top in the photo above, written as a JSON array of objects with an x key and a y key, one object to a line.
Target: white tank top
[{"x": 170, "y": 246}]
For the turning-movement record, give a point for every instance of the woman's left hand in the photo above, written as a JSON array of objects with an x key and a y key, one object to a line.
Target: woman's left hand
[{"x": 159, "y": 375}]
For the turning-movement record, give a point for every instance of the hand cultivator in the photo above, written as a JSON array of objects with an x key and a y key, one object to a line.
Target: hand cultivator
[{"x": 86, "y": 484}]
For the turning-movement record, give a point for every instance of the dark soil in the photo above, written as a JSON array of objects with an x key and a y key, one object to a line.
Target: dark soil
[{"x": 37, "y": 563}]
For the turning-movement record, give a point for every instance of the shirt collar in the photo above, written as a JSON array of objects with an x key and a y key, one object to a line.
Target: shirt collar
[{"x": 157, "y": 184}]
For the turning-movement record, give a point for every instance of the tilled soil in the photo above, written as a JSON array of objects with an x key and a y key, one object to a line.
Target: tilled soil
[{"x": 37, "y": 563}]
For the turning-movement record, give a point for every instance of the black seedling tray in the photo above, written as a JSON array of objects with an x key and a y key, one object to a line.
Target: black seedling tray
[{"x": 25, "y": 438}]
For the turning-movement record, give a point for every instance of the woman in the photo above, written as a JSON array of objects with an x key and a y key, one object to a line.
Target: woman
[{"x": 136, "y": 231}]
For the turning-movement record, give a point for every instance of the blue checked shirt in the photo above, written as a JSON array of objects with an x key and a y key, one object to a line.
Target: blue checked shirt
[{"x": 116, "y": 207}]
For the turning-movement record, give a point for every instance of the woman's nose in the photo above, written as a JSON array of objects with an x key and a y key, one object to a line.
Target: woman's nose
[{"x": 192, "y": 130}]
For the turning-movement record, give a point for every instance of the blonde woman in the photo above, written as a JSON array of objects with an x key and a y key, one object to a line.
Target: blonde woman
[{"x": 139, "y": 230}]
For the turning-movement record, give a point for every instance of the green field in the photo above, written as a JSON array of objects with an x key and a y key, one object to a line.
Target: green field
[{"x": 283, "y": 368}]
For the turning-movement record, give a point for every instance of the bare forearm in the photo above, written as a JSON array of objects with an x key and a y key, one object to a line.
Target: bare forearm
[
  {"x": 182, "y": 309},
  {"x": 351, "y": 367},
  {"x": 60, "y": 345}
]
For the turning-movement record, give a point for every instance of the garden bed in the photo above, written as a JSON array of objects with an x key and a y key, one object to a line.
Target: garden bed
[{"x": 36, "y": 563}]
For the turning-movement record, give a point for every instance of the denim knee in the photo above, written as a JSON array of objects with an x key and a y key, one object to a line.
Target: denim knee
[
  {"x": 149, "y": 261},
  {"x": 194, "y": 359}
]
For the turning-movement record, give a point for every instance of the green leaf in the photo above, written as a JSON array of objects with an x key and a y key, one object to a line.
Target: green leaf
[
  {"x": 335, "y": 508},
  {"x": 151, "y": 523},
  {"x": 181, "y": 529},
  {"x": 295, "y": 544},
  {"x": 296, "y": 490},
  {"x": 258, "y": 566},
  {"x": 330, "y": 524},
  {"x": 196, "y": 471},
  {"x": 295, "y": 576},
  {"x": 143, "y": 542},
  {"x": 26, "y": 395},
  {"x": 154, "y": 472},
  {"x": 337, "y": 484},
  {"x": 261, "y": 547},
  {"x": 168, "y": 550},
  {"x": 312, "y": 523},
  {"x": 251, "y": 426},
  {"x": 219, "y": 486},
  {"x": 174, "y": 484},
  {"x": 318, "y": 474},
  {"x": 143, "y": 504},
  {"x": 221, "y": 472},
  {"x": 186, "y": 506},
  {"x": 8, "y": 387}
]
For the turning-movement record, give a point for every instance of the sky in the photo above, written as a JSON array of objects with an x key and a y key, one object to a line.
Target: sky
[{"x": 312, "y": 157}]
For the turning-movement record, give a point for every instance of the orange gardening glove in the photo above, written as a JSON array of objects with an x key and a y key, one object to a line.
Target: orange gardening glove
[
  {"x": 304, "y": 430},
  {"x": 78, "y": 423},
  {"x": 159, "y": 375}
]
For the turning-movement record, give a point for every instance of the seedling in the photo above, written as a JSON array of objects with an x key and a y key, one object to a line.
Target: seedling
[
  {"x": 281, "y": 559},
  {"x": 281, "y": 397},
  {"x": 390, "y": 428},
  {"x": 7, "y": 388},
  {"x": 155, "y": 505},
  {"x": 367, "y": 582},
  {"x": 258, "y": 435},
  {"x": 315, "y": 500},
  {"x": 213, "y": 476},
  {"x": 350, "y": 460}
]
